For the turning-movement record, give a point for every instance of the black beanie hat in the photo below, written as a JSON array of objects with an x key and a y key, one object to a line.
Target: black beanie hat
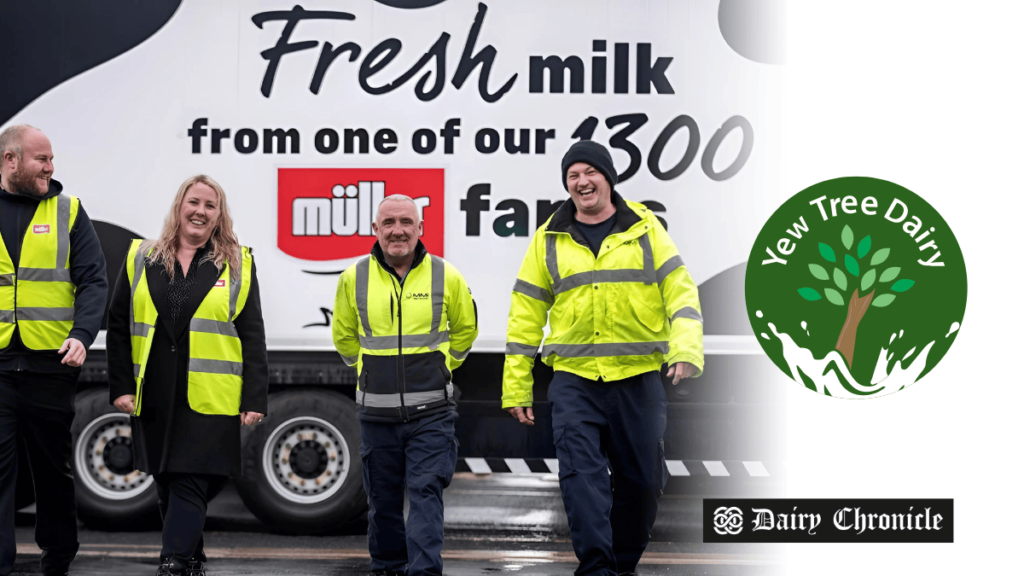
[{"x": 592, "y": 153}]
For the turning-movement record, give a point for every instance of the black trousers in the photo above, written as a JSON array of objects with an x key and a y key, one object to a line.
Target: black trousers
[
  {"x": 183, "y": 500},
  {"x": 36, "y": 411}
]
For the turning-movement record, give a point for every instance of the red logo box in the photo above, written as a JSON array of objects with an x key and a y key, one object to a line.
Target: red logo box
[
  {"x": 326, "y": 213},
  {"x": 41, "y": 229}
]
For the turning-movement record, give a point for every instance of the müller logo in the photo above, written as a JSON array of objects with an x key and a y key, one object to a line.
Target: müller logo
[
  {"x": 327, "y": 213},
  {"x": 833, "y": 520}
]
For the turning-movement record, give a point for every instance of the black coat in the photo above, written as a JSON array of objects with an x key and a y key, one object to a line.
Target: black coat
[{"x": 169, "y": 436}]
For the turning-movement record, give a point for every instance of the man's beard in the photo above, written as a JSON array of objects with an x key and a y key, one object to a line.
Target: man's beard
[{"x": 25, "y": 184}]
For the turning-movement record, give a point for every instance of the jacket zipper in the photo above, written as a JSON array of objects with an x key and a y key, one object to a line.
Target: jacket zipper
[{"x": 401, "y": 358}]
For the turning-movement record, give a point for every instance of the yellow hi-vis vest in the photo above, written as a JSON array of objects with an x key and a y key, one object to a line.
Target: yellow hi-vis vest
[
  {"x": 404, "y": 338},
  {"x": 40, "y": 298},
  {"x": 215, "y": 351},
  {"x": 621, "y": 314}
]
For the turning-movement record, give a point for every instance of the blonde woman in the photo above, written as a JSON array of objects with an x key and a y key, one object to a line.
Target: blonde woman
[{"x": 187, "y": 359}]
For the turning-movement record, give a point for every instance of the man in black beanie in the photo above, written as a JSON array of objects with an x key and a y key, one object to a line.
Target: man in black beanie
[{"x": 621, "y": 304}]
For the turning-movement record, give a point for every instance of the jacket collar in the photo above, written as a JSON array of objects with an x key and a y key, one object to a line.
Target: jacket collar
[
  {"x": 378, "y": 254},
  {"x": 55, "y": 189},
  {"x": 564, "y": 219}
]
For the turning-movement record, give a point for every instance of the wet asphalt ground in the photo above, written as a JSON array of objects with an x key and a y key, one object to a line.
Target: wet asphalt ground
[{"x": 494, "y": 524}]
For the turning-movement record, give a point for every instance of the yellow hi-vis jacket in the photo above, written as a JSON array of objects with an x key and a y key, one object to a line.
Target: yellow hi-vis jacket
[
  {"x": 215, "y": 351},
  {"x": 39, "y": 297},
  {"x": 623, "y": 313},
  {"x": 404, "y": 336}
]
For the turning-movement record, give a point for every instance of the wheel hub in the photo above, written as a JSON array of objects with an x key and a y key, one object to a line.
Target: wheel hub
[
  {"x": 104, "y": 462},
  {"x": 117, "y": 455},
  {"x": 309, "y": 459},
  {"x": 306, "y": 460}
]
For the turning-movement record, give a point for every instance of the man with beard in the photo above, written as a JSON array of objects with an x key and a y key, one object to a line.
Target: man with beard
[
  {"x": 621, "y": 304},
  {"x": 53, "y": 287},
  {"x": 405, "y": 319}
]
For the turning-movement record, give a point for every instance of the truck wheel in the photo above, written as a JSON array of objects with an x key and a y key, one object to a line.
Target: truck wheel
[
  {"x": 301, "y": 471},
  {"x": 109, "y": 490}
]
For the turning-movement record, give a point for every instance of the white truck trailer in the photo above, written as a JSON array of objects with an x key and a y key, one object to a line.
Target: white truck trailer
[{"x": 309, "y": 112}]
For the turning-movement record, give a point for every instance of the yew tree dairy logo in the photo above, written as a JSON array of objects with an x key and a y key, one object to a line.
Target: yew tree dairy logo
[{"x": 856, "y": 287}]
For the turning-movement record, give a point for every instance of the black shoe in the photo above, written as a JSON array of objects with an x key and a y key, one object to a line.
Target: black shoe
[
  {"x": 387, "y": 573},
  {"x": 195, "y": 567},
  {"x": 166, "y": 569}
]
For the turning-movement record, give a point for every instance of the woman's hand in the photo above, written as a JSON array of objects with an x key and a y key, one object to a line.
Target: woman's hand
[
  {"x": 125, "y": 403},
  {"x": 251, "y": 418}
]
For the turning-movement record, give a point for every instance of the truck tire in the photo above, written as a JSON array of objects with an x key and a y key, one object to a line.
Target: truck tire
[
  {"x": 301, "y": 471},
  {"x": 110, "y": 492}
]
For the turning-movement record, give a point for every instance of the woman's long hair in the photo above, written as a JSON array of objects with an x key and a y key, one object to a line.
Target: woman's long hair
[{"x": 223, "y": 242}]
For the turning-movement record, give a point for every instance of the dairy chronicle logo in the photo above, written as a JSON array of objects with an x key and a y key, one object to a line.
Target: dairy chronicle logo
[{"x": 728, "y": 520}]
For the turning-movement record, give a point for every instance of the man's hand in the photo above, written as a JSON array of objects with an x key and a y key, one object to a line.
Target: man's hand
[
  {"x": 681, "y": 370},
  {"x": 523, "y": 414},
  {"x": 75, "y": 352},
  {"x": 125, "y": 403},
  {"x": 251, "y": 418}
]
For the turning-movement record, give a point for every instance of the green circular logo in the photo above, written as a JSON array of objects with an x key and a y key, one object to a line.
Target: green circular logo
[{"x": 856, "y": 287}]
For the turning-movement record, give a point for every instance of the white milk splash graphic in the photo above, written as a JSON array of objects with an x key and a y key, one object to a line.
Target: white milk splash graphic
[{"x": 826, "y": 372}]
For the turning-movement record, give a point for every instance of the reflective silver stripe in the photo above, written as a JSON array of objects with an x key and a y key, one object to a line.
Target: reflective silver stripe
[
  {"x": 605, "y": 350},
  {"x": 236, "y": 287},
  {"x": 408, "y": 341},
  {"x": 535, "y": 292},
  {"x": 140, "y": 329},
  {"x": 7, "y": 316},
  {"x": 7, "y": 279},
  {"x": 669, "y": 267},
  {"x": 215, "y": 366},
  {"x": 460, "y": 354},
  {"x": 436, "y": 292},
  {"x": 650, "y": 276},
  {"x": 137, "y": 369},
  {"x": 63, "y": 232},
  {"x": 212, "y": 327},
  {"x": 44, "y": 274},
  {"x": 517, "y": 349},
  {"x": 689, "y": 312},
  {"x": 362, "y": 290},
  {"x": 552, "y": 261},
  {"x": 46, "y": 314},
  {"x": 601, "y": 277},
  {"x": 140, "y": 267},
  {"x": 350, "y": 360},
  {"x": 371, "y": 400}
]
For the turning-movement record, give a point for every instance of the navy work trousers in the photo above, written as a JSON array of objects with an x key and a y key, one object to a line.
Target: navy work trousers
[
  {"x": 418, "y": 456},
  {"x": 601, "y": 426},
  {"x": 36, "y": 411}
]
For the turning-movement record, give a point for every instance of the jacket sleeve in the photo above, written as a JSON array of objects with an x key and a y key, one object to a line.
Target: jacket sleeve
[
  {"x": 532, "y": 297},
  {"x": 255, "y": 369},
  {"x": 678, "y": 291},
  {"x": 345, "y": 322},
  {"x": 462, "y": 325},
  {"x": 120, "y": 368},
  {"x": 89, "y": 274}
]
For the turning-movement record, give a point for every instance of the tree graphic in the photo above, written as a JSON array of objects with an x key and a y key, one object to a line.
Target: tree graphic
[{"x": 857, "y": 305}]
